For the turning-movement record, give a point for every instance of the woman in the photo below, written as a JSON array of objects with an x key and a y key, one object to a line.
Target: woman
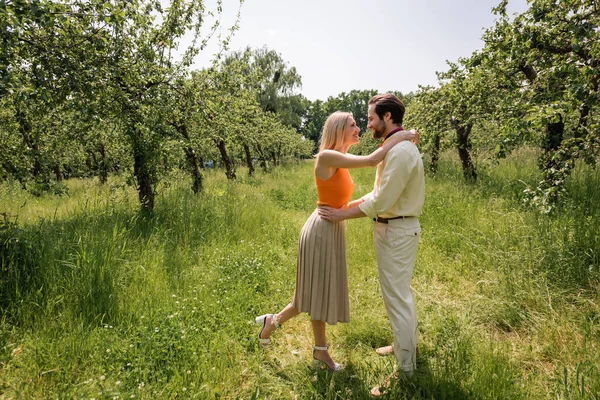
[{"x": 321, "y": 278}]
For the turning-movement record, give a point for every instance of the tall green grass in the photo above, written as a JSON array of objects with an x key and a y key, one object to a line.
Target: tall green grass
[{"x": 98, "y": 302}]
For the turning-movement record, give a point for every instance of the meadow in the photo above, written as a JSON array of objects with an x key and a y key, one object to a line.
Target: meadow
[{"x": 100, "y": 302}]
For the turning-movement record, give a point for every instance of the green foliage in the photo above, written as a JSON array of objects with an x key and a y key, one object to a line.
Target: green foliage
[
  {"x": 535, "y": 81},
  {"x": 316, "y": 114},
  {"x": 93, "y": 88},
  {"x": 20, "y": 254},
  {"x": 273, "y": 82},
  {"x": 109, "y": 63},
  {"x": 129, "y": 105},
  {"x": 543, "y": 61}
]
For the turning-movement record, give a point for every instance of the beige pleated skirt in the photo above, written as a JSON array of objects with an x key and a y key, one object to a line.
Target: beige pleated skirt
[{"x": 321, "y": 276}]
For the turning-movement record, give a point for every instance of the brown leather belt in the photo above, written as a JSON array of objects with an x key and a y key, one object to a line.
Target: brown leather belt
[{"x": 385, "y": 220}]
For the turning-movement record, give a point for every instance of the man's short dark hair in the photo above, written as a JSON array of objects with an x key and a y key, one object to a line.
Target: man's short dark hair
[{"x": 388, "y": 103}]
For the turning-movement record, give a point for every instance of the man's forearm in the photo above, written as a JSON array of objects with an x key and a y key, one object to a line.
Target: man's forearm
[
  {"x": 340, "y": 214},
  {"x": 353, "y": 212},
  {"x": 355, "y": 203}
]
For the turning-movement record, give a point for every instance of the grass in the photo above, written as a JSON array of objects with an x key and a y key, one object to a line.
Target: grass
[{"x": 98, "y": 302}]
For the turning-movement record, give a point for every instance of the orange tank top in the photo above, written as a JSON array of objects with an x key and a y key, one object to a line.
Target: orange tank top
[{"x": 336, "y": 191}]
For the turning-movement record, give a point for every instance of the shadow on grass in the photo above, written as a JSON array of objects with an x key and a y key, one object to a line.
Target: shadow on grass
[
  {"x": 344, "y": 384},
  {"x": 438, "y": 377},
  {"x": 353, "y": 383},
  {"x": 378, "y": 335},
  {"x": 452, "y": 364},
  {"x": 427, "y": 383}
]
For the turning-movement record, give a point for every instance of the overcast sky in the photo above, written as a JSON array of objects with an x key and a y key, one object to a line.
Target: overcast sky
[{"x": 338, "y": 46}]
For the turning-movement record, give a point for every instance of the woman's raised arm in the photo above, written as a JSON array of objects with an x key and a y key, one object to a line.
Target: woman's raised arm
[{"x": 335, "y": 159}]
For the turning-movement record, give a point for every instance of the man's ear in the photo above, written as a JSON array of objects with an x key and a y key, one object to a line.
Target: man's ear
[{"x": 387, "y": 115}]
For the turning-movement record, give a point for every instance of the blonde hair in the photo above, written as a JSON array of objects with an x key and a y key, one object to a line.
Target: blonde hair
[{"x": 332, "y": 136}]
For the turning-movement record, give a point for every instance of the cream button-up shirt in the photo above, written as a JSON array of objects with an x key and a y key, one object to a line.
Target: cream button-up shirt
[{"x": 399, "y": 188}]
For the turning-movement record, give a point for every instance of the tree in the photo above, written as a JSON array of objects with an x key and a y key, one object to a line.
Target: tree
[
  {"x": 141, "y": 64},
  {"x": 549, "y": 62},
  {"x": 48, "y": 51},
  {"x": 424, "y": 114},
  {"x": 113, "y": 60},
  {"x": 316, "y": 114},
  {"x": 273, "y": 82}
]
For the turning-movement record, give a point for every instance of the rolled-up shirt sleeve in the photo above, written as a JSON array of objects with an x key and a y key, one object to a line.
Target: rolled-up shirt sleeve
[
  {"x": 366, "y": 197},
  {"x": 394, "y": 177}
]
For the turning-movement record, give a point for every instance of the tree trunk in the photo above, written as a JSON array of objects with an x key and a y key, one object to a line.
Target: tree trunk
[
  {"x": 192, "y": 161},
  {"x": 464, "y": 147},
  {"x": 92, "y": 163},
  {"x": 261, "y": 156},
  {"x": 555, "y": 164},
  {"x": 554, "y": 135},
  {"x": 142, "y": 168},
  {"x": 191, "y": 157},
  {"x": 435, "y": 153},
  {"x": 551, "y": 143},
  {"x": 229, "y": 168},
  {"x": 89, "y": 163},
  {"x": 103, "y": 167},
  {"x": 273, "y": 158},
  {"x": 195, "y": 170},
  {"x": 25, "y": 129},
  {"x": 249, "y": 160},
  {"x": 584, "y": 110},
  {"x": 57, "y": 172},
  {"x": 38, "y": 169},
  {"x": 144, "y": 180}
]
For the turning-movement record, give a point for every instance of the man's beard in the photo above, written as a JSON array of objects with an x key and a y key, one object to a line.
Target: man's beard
[{"x": 378, "y": 132}]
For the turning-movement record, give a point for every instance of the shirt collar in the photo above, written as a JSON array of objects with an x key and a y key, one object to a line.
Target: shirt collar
[{"x": 400, "y": 128}]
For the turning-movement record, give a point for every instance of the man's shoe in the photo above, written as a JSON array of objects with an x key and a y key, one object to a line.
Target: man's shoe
[{"x": 404, "y": 375}]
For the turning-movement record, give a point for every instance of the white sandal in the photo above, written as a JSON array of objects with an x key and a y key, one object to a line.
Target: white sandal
[
  {"x": 263, "y": 320},
  {"x": 337, "y": 367}
]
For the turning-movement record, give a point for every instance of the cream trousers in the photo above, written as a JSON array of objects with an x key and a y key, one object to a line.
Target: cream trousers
[{"x": 396, "y": 247}]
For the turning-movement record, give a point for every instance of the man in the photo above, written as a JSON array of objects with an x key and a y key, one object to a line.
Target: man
[{"x": 395, "y": 204}]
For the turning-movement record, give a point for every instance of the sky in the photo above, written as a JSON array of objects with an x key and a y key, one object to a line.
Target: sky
[{"x": 337, "y": 46}]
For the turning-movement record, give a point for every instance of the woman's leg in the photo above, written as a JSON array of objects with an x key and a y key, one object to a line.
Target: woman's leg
[
  {"x": 284, "y": 315},
  {"x": 320, "y": 340}
]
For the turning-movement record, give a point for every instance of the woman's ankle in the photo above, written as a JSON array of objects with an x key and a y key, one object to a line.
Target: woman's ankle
[
  {"x": 323, "y": 356},
  {"x": 271, "y": 326}
]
